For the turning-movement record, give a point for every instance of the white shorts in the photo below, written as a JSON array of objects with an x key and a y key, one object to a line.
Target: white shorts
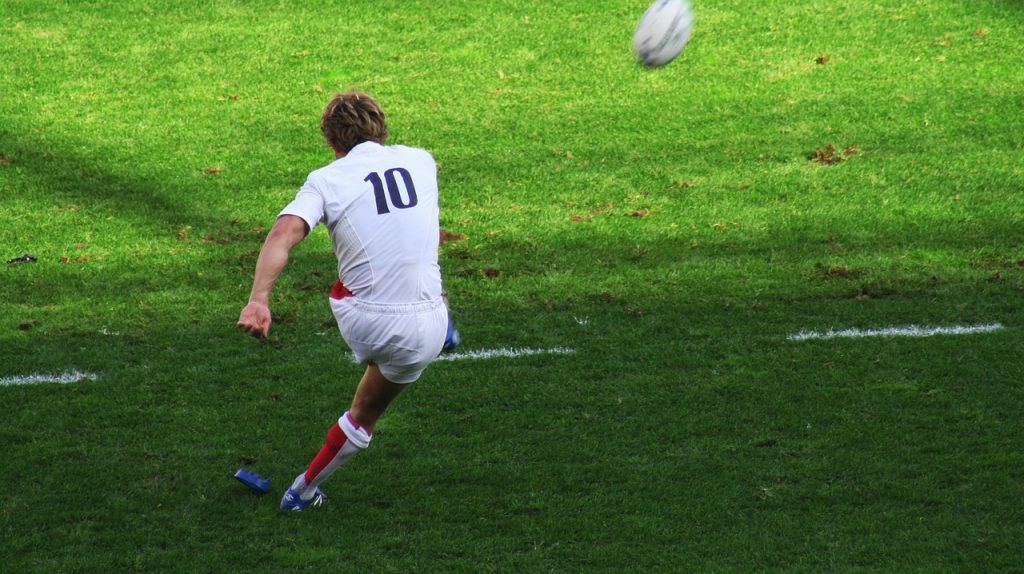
[{"x": 400, "y": 338}]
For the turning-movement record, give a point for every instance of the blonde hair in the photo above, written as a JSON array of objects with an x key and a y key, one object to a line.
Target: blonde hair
[{"x": 352, "y": 118}]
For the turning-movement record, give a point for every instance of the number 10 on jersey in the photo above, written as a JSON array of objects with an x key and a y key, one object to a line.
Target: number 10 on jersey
[{"x": 394, "y": 190}]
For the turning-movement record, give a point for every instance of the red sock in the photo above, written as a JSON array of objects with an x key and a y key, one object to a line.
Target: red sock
[{"x": 335, "y": 440}]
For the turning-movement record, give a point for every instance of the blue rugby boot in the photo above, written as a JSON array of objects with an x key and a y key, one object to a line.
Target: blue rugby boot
[
  {"x": 452, "y": 339},
  {"x": 292, "y": 501}
]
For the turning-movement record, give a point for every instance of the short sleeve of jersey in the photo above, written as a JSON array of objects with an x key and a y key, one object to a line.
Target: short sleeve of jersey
[{"x": 308, "y": 204}]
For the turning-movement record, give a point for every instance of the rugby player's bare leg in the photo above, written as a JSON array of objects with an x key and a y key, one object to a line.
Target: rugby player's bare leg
[
  {"x": 348, "y": 436},
  {"x": 372, "y": 397}
]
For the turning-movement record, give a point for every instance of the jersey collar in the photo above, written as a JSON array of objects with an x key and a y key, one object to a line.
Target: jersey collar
[{"x": 363, "y": 148}]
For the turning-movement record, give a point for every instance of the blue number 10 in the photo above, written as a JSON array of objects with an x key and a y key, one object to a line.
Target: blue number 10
[{"x": 394, "y": 190}]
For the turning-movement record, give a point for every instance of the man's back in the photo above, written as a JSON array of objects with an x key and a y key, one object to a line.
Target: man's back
[{"x": 380, "y": 206}]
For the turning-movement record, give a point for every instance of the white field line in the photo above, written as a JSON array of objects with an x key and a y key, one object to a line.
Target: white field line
[
  {"x": 63, "y": 378},
  {"x": 511, "y": 352},
  {"x": 504, "y": 352},
  {"x": 904, "y": 331}
]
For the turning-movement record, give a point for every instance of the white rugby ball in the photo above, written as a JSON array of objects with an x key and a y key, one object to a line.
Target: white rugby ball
[{"x": 663, "y": 32}]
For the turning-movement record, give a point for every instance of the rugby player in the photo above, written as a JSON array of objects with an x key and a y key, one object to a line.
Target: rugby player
[{"x": 379, "y": 204}]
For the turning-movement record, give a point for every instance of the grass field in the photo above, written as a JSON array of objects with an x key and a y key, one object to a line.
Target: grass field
[{"x": 672, "y": 226}]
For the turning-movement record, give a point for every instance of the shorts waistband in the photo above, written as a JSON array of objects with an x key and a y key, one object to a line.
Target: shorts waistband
[{"x": 396, "y": 308}]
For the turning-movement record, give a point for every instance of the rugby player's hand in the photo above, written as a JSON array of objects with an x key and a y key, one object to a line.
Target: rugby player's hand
[{"x": 255, "y": 320}]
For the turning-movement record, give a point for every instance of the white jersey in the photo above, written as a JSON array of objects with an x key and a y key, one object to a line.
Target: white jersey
[{"x": 379, "y": 204}]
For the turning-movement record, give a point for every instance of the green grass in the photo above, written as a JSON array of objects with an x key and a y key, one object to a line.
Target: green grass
[{"x": 667, "y": 224}]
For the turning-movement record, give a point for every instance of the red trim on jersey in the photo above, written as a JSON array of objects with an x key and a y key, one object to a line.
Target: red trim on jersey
[
  {"x": 339, "y": 291},
  {"x": 335, "y": 440}
]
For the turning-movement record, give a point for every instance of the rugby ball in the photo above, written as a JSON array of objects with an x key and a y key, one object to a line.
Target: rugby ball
[{"x": 663, "y": 32}]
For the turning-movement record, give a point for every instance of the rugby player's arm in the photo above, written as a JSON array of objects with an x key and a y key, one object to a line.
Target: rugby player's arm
[{"x": 287, "y": 232}]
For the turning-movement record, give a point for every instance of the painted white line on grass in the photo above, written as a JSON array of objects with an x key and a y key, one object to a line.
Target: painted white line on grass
[
  {"x": 510, "y": 352},
  {"x": 504, "y": 352},
  {"x": 904, "y": 331},
  {"x": 63, "y": 378}
]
